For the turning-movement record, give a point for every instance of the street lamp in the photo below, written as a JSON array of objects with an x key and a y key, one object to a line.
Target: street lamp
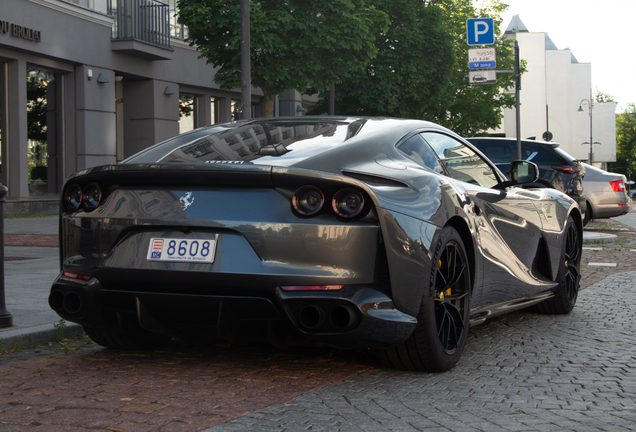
[{"x": 590, "y": 104}]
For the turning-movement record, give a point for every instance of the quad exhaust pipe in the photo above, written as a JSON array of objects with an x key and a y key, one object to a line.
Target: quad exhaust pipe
[
  {"x": 338, "y": 318},
  {"x": 69, "y": 303}
]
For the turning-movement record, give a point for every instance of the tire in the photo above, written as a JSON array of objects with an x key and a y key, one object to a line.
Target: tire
[
  {"x": 438, "y": 340},
  {"x": 569, "y": 275},
  {"x": 588, "y": 214},
  {"x": 126, "y": 342}
]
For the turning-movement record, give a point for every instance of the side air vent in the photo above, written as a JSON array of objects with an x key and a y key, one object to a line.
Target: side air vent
[{"x": 374, "y": 180}]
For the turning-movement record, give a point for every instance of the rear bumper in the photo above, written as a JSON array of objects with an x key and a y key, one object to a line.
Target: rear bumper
[{"x": 354, "y": 317}]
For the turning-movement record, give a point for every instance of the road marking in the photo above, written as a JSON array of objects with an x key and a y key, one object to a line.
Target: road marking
[
  {"x": 602, "y": 264},
  {"x": 593, "y": 248},
  {"x": 632, "y": 250}
]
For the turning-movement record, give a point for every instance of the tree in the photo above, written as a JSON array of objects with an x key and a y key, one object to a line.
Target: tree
[
  {"x": 625, "y": 138},
  {"x": 603, "y": 97},
  {"x": 471, "y": 110},
  {"x": 415, "y": 57},
  {"x": 421, "y": 70},
  {"x": 295, "y": 44}
]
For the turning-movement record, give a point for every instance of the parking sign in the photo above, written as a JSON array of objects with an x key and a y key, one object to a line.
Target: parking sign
[{"x": 481, "y": 31}]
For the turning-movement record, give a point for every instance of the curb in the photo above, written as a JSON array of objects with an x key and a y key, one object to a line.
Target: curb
[{"x": 33, "y": 337}]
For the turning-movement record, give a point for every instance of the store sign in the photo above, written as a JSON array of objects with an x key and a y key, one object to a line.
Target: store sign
[{"x": 19, "y": 31}]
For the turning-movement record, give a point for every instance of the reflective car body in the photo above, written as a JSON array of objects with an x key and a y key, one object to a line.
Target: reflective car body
[
  {"x": 606, "y": 193},
  {"x": 557, "y": 169},
  {"x": 322, "y": 231}
]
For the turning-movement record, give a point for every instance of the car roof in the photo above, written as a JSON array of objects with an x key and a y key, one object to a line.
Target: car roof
[
  {"x": 501, "y": 140},
  {"x": 309, "y": 139}
]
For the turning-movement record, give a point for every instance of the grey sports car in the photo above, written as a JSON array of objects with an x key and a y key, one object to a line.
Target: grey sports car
[{"x": 395, "y": 235}]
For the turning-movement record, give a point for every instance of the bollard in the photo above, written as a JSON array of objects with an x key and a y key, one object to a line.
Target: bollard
[{"x": 6, "y": 320}]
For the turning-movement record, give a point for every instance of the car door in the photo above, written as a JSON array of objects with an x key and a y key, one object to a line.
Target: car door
[{"x": 507, "y": 224}]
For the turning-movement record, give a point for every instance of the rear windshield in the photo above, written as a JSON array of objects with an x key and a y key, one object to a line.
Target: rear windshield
[
  {"x": 263, "y": 142},
  {"x": 565, "y": 156}
]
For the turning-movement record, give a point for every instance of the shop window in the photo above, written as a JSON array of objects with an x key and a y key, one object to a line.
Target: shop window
[
  {"x": 214, "y": 116},
  {"x": 38, "y": 82},
  {"x": 187, "y": 113}
]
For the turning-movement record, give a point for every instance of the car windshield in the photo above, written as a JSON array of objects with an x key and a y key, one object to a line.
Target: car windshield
[{"x": 263, "y": 142}]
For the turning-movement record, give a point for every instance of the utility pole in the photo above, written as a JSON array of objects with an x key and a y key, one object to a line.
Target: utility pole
[
  {"x": 518, "y": 103},
  {"x": 246, "y": 86}
]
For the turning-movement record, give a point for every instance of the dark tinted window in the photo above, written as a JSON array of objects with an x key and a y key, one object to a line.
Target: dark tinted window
[
  {"x": 497, "y": 153},
  {"x": 539, "y": 154},
  {"x": 461, "y": 162},
  {"x": 416, "y": 148},
  {"x": 256, "y": 142}
]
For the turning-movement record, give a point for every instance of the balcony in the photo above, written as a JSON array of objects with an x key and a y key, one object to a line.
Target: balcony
[{"x": 142, "y": 29}]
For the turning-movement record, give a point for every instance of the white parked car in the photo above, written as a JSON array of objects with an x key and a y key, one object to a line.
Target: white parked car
[{"x": 606, "y": 193}]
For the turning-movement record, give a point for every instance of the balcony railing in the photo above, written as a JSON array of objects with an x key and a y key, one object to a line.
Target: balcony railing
[{"x": 142, "y": 20}]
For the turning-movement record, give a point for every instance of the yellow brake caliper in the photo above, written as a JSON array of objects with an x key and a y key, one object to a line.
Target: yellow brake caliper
[{"x": 443, "y": 294}]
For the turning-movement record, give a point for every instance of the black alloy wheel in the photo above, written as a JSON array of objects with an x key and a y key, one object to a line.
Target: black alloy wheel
[
  {"x": 572, "y": 264},
  {"x": 440, "y": 335},
  {"x": 451, "y": 297}
]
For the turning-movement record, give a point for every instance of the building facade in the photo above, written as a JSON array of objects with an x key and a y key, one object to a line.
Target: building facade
[
  {"x": 91, "y": 82},
  {"x": 553, "y": 88}
]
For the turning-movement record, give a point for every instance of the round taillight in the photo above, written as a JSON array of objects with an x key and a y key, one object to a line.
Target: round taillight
[
  {"x": 348, "y": 203},
  {"x": 73, "y": 197},
  {"x": 92, "y": 196},
  {"x": 308, "y": 200}
]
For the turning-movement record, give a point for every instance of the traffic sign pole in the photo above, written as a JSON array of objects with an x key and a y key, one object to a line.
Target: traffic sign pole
[{"x": 517, "y": 88}]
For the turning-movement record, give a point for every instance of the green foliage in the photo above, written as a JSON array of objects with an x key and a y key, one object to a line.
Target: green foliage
[
  {"x": 295, "y": 44},
  {"x": 625, "y": 139},
  {"x": 36, "y": 110},
  {"x": 421, "y": 70},
  {"x": 415, "y": 57},
  {"x": 19, "y": 345},
  {"x": 37, "y": 172},
  {"x": 471, "y": 110},
  {"x": 186, "y": 105},
  {"x": 58, "y": 330},
  {"x": 603, "y": 97}
]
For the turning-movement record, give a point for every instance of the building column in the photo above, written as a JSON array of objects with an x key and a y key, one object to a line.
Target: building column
[
  {"x": 289, "y": 102},
  {"x": 15, "y": 157},
  {"x": 95, "y": 114},
  {"x": 224, "y": 105},
  {"x": 204, "y": 110},
  {"x": 151, "y": 113}
]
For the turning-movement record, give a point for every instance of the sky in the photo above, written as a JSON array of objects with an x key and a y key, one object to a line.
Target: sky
[{"x": 597, "y": 32}]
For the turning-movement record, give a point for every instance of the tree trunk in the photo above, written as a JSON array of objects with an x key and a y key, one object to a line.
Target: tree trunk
[{"x": 270, "y": 98}]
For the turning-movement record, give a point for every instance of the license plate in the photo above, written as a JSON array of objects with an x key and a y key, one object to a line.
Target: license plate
[{"x": 181, "y": 250}]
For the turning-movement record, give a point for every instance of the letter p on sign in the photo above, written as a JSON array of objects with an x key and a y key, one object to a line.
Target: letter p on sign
[{"x": 480, "y": 31}]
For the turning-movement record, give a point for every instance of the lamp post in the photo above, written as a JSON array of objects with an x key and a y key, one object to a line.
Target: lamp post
[
  {"x": 246, "y": 86},
  {"x": 590, "y": 104}
]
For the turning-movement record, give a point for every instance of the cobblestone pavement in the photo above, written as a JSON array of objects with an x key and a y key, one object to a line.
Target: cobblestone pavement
[
  {"x": 186, "y": 387},
  {"x": 622, "y": 252},
  {"x": 520, "y": 372}
]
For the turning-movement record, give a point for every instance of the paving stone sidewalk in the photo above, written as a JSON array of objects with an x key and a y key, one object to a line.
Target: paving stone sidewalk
[{"x": 520, "y": 372}]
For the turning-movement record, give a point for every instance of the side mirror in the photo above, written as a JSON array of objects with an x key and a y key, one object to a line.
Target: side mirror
[{"x": 523, "y": 172}]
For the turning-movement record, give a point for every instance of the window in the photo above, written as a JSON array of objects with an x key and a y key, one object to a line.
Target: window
[
  {"x": 461, "y": 162},
  {"x": 539, "y": 154},
  {"x": 498, "y": 153},
  {"x": 416, "y": 148},
  {"x": 176, "y": 30}
]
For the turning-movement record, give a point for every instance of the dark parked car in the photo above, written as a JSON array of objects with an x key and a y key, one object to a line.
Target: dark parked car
[
  {"x": 320, "y": 231},
  {"x": 605, "y": 193},
  {"x": 557, "y": 169}
]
